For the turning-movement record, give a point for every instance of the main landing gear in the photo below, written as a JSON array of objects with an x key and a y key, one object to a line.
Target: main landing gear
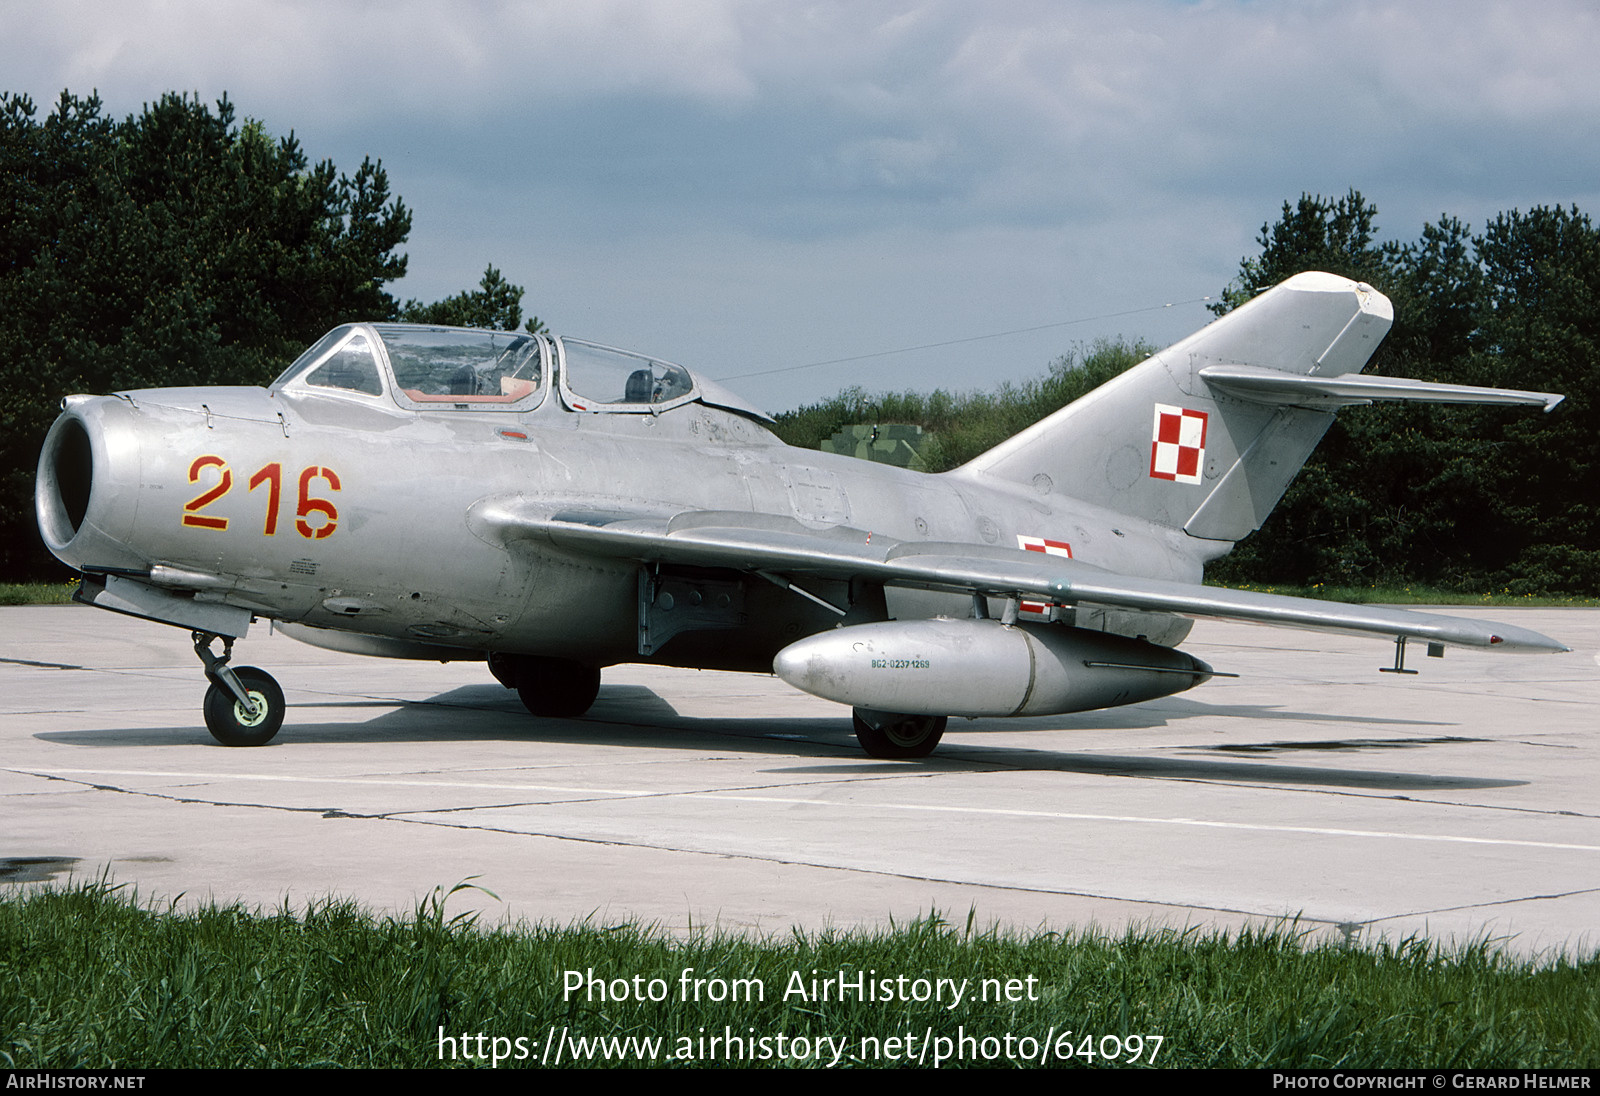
[
  {"x": 243, "y": 707},
  {"x": 898, "y": 737},
  {"x": 552, "y": 687}
]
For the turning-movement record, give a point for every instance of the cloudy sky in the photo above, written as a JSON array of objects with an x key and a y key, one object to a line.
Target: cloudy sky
[{"x": 755, "y": 185}]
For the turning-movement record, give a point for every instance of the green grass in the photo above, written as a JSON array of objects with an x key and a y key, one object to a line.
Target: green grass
[
  {"x": 37, "y": 593},
  {"x": 90, "y": 978},
  {"x": 1419, "y": 595}
]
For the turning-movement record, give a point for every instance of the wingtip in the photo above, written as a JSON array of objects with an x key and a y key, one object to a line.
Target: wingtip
[{"x": 1531, "y": 642}]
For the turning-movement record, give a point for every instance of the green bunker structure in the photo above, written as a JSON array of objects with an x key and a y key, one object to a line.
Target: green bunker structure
[{"x": 893, "y": 443}]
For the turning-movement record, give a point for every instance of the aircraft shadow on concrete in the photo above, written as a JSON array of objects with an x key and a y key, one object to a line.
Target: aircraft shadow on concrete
[
  {"x": 624, "y": 715},
  {"x": 636, "y": 716},
  {"x": 1180, "y": 708},
  {"x": 1166, "y": 767}
]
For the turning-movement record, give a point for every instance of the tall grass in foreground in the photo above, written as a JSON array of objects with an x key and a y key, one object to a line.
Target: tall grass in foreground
[{"x": 88, "y": 978}]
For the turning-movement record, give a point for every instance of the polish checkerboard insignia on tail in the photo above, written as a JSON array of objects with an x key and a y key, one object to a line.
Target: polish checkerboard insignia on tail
[{"x": 1178, "y": 447}]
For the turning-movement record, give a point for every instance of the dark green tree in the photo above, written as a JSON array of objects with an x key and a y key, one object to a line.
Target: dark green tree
[
  {"x": 1455, "y": 496},
  {"x": 1324, "y": 528},
  {"x": 1437, "y": 288},
  {"x": 172, "y": 247},
  {"x": 495, "y": 304},
  {"x": 1539, "y": 328},
  {"x": 1316, "y": 233}
]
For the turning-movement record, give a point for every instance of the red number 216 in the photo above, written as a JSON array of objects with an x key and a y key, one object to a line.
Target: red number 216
[{"x": 272, "y": 476}]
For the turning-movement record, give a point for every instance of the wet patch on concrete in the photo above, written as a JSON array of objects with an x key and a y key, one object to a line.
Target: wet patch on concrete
[
  {"x": 34, "y": 869},
  {"x": 1341, "y": 745}
]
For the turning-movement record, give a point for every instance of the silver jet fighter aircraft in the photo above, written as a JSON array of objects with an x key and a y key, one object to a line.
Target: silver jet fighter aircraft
[{"x": 556, "y": 506}]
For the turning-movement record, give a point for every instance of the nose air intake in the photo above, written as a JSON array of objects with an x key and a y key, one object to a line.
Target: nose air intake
[
  {"x": 86, "y": 488},
  {"x": 65, "y": 482}
]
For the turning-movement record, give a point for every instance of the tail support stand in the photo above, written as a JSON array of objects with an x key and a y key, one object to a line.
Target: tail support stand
[
  {"x": 217, "y": 669},
  {"x": 1399, "y": 666}
]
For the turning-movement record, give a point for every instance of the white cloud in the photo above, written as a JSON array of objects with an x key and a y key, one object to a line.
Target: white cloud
[{"x": 903, "y": 169}]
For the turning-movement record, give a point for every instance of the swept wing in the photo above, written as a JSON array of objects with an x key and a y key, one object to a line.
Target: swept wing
[{"x": 775, "y": 546}]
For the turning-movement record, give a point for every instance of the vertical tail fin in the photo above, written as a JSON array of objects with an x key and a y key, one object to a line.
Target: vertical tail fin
[{"x": 1162, "y": 443}]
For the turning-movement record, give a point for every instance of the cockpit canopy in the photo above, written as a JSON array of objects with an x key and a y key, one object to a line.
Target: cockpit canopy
[
  {"x": 426, "y": 368},
  {"x": 595, "y": 377}
]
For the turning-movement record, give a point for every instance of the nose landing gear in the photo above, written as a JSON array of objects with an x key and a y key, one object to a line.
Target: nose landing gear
[{"x": 243, "y": 707}]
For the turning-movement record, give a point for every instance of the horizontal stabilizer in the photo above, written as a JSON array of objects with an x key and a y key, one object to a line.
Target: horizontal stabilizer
[{"x": 1274, "y": 386}]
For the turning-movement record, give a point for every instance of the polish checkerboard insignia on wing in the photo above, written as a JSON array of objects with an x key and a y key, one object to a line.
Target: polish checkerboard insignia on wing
[
  {"x": 1049, "y": 547},
  {"x": 1178, "y": 447}
]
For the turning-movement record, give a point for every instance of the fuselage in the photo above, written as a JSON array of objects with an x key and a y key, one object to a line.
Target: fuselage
[{"x": 344, "y": 510}]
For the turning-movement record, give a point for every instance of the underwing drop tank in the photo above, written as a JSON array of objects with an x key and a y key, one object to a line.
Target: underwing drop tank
[{"x": 983, "y": 668}]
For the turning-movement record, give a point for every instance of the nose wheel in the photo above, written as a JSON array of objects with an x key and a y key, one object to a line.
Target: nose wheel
[{"x": 243, "y": 707}]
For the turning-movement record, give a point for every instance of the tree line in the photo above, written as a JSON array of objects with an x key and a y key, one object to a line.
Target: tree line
[{"x": 178, "y": 246}]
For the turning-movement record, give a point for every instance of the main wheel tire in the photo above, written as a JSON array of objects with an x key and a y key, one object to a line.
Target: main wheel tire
[
  {"x": 898, "y": 737},
  {"x": 556, "y": 687},
  {"x": 227, "y": 719}
]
